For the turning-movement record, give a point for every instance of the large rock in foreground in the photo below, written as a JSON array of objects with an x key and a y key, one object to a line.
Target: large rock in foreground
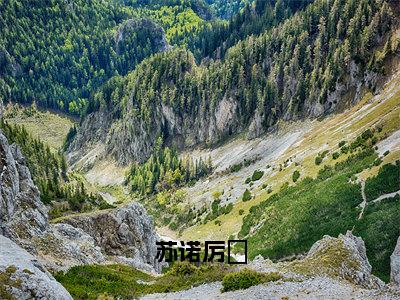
[
  {"x": 126, "y": 233},
  {"x": 395, "y": 266},
  {"x": 344, "y": 257},
  {"x": 23, "y": 277},
  {"x": 22, "y": 214}
]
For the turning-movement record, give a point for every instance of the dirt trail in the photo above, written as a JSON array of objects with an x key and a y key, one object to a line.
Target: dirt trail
[{"x": 363, "y": 204}]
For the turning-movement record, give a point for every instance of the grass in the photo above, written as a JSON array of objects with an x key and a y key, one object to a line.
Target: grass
[
  {"x": 334, "y": 260},
  {"x": 382, "y": 110},
  {"x": 124, "y": 282},
  {"x": 50, "y": 127},
  {"x": 246, "y": 278},
  {"x": 298, "y": 216}
]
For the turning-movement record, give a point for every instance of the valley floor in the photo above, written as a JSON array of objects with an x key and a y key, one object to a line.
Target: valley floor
[{"x": 315, "y": 288}]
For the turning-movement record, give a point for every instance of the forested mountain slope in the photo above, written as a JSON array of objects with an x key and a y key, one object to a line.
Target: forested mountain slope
[
  {"x": 318, "y": 61},
  {"x": 58, "y": 52},
  {"x": 213, "y": 39},
  {"x": 226, "y": 9}
]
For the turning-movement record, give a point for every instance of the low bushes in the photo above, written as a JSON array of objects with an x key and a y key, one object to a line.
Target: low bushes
[
  {"x": 257, "y": 175},
  {"x": 295, "y": 176},
  {"x": 246, "y": 195},
  {"x": 245, "y": 279}
]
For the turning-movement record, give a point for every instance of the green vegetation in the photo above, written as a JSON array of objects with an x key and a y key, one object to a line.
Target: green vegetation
[
  {"x": 49, "y": 127},
  {"x": 49, "y": 173},
  {"x": 77, "y": 53},
  {"x": 217, "y": 210},
  {"x": 246, "y": 195},
  {"x": 237, "y": 167},
  {"x": 298, "y": 67},
  {"x": 257, "y": 175},
  {"x": 380, "y": 230},
  {"x": 387, "y": 181},
  {"x": 335, "y": 155},
  {"x": 164, "y": 170},
  {"x": 295, "y": 176},
  {"x": 288, "y": 217},
  {"x": 226, "y": 9},
  {"x": 215, "y": 38},
  {"x": 119, "y": 281},
  {"x": 318, "y": 160},
  {"x": 7, "y": 280},
  {"x": 246, "y": 278}
]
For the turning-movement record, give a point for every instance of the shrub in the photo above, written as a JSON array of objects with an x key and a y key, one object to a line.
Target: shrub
[
  {"x": 323, "y": 154},
  {"x": 377, "y": 161},
  {"x": 367, "y": 134},
  {"x": 182, "y": 269},
  {"x": 235, "y": 168},
  {"x": 257, "y": 175},
  {"x": 216, "y": 195},
  {"x": 248, "y": 180},
  {"x": 245, "y": 279},
  {"x": 386, "y": 153},
  {"x": 295, "y": 176},
  {"x": 344, "y": 149},
  {"x": 241, "y": 212},
  {"x": 246, "y": 195},
  {"x": 217, "y": 222},
  {"x": 215, "y": 205},
  {"x": 227, "y": 209},
  {"x": 335, "y": 155},
  {"x": 318, "y": 160},
  {"x": 342, "y": 143}
]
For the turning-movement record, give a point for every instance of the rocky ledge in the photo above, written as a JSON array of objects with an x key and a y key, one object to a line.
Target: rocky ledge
[
  {"x": 395, "y": 266},
  {"x": 125, "y": 234},
  {"x": 23, "y": 277}
]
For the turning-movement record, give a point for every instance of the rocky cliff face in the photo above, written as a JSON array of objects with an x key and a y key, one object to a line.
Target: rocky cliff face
[
  {"x": 22, "y": 214},
  {"x": 125, "y": 234},
  {"x": 23, "y": 277},
  {"x": 344, "y": 257},
  {"x": 395, "y": 266},
  {"x": 129, "y": 138}
]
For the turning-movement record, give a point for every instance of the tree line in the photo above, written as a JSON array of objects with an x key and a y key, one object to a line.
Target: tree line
[{"x": 164, "y": 170}]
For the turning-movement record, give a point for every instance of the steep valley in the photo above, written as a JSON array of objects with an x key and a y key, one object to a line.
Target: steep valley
[{"x": 132, "y": 122}]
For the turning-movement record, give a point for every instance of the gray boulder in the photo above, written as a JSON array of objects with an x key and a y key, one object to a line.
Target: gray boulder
[
  {"x": 126, "y": 232},
  {"x": 23, "y": 277},
  {"x": 22, "y": 214},
  {"x": 63, "y": 246},
  {"x": 395, "y": 265},
  {"x": 344, "y": 257}
]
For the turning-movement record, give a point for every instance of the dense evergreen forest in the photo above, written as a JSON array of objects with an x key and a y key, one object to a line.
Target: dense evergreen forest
[
  {"x": 164, "y": 170},
  {"x": 57, "y": 52},
  {"x": 227, "y": 9},
  {"x": 213, "y": 39},
  {"x": 285, "y": 70}
]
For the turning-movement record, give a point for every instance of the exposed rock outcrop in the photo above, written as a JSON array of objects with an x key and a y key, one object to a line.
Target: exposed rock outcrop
[
  {"x": 343, "y": 257},
  {"x": 395, "y": 266},
  {"x": 127, "y": 234},
  {"x": 124, "y": 234},
  {"x": 63, "y": 246},
  {"x": 22, "y": 214},
  {"x": 23, "y": 277},
  {"x": 142, "y": 27}
]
